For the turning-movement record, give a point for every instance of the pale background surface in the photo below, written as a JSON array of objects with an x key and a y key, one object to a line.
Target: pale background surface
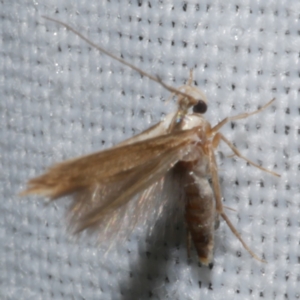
[{"x": 61, "y": 100}]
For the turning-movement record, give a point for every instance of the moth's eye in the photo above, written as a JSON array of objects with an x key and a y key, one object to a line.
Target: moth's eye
[{"x": 200, "y": 107}]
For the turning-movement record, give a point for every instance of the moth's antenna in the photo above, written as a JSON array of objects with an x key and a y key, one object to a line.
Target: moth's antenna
[{"x": 122, "y": 61}]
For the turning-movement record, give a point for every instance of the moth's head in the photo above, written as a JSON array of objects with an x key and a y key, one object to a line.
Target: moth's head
[{"x": 197, "y": 99}]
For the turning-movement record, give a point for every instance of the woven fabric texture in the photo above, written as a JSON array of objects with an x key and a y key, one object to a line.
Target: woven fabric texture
[{"x": 60, "y": 99}]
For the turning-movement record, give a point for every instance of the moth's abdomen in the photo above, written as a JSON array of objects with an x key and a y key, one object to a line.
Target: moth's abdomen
[{"x": 200, "y": 215}]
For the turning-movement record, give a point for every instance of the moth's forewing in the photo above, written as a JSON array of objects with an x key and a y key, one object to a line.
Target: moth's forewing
[
  {"x": 130, "y": 183},
  {"x": 104, "y": 167},
  {"x": 109, "y": 185}
]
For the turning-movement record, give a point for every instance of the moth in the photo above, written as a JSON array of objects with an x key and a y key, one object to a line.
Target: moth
[{"x": 115, "y": 189}]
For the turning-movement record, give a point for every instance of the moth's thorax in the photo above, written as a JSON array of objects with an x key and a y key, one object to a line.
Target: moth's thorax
[
  {"x": 198, "y": 121},
  {"x": 197, "y": 154},
  {"x": 191, "y": 121}
]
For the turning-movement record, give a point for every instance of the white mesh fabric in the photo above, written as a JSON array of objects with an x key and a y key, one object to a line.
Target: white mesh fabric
[{"x": 59, "y": 100}]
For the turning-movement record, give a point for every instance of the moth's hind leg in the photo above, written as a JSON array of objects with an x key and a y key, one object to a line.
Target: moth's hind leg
[
  {"x": 219, "y": 204},
  {"x": 235, "y": 232},
  {"x": 219, "y": 136}
]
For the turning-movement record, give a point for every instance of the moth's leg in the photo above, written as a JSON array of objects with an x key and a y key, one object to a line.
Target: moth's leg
[
  {"x": 219, "y": 204},
  {"x": 216, "y": 128},
  {"x": 235, "y": 232},
  {"x": 229, "y": 208},
  {"x": 219, "y": 136},
  {"x": 238, "y": 154}
]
